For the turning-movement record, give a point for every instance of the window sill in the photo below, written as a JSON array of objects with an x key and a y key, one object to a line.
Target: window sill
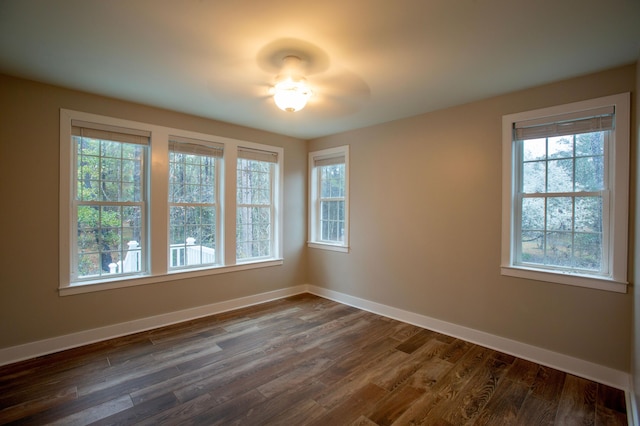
[
  {"x": 599, "y": 283},
  {"x": 129, "y": 281},
  {"x": 328, "y": 246}
]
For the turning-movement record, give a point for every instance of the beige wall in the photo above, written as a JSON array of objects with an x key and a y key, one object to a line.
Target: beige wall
[
  {"x": 425, "y": 233},
  {"x": 425, "y": 229},
  {"x": 30, "y": 308}
]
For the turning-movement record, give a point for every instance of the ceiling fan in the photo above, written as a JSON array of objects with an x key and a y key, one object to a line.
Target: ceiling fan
[{"x": 292, "y": 74}]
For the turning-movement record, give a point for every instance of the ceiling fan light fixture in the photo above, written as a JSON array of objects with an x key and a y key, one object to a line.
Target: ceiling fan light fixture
[{"x": 291, "y": 94}]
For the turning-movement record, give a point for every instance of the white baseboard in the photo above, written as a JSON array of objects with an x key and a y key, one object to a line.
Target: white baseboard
[
  {"x": 68, "y": 341},
  {"x": 588, "y": 370}
]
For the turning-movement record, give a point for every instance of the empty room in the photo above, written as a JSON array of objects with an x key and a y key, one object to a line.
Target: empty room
[{"x": 354, "y": 212}]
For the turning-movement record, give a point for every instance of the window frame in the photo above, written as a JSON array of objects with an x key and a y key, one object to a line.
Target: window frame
[
  {"x": 616, "y": 184},
  {"x": 157, "y": 190},
  {"x": 314, "y": 226}
]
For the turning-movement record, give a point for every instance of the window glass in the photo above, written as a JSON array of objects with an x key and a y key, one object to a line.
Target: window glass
[
  {"x": 108, "y": 208},
  {"x": 192, "y": 207},
  {"x": 561, "y": 212},
  {"x": 332, "y": 202},
  {"x": 254, "y": 212}
]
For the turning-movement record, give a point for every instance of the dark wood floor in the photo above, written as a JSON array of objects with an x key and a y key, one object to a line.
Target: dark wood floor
[{"x": 297, "y": 361}]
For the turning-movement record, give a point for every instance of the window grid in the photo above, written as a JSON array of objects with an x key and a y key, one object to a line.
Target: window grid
[
  {"x": 254, "y": 209},
  {"x": 108, "y": 208},
  {"x": 561, "y": 210},
  {"x": 192, "y": 210}
]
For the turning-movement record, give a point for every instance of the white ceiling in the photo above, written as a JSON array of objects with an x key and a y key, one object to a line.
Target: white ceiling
[{"x": 368, "y": 61}]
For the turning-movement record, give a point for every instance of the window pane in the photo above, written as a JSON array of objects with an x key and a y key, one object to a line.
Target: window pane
[
  {"x": 590, "y": 173},
  {"x": 534, "y": 149},
  {"x": 588, "y": 215},
  {"x": 533, "y": 213},
  {"x": 534, "y": 177},
  {"x": 532, "y": 246},
  {"x": 559, "y": 249},
  {"x": 588, "y": 251},
  {"x": 560, "y": 213},
  {"x": 588, "y": 144},
  {"x": 560, "y": 147},
  {"x": 560, "y": 176}
]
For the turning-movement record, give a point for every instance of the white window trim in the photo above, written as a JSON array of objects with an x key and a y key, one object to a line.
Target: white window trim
[
  {"x": 313, "y": 226},
  {"x": 158, "y": 224},
  {"x": 618, "y": 155}
]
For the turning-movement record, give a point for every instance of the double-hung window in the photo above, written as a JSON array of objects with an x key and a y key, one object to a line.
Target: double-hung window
[
  {"x": 142, "y": 203},
  {"x": 566, "y": 193},
  {"x": 109, "y": 201},
  {"x": 193, "y": 202},
  {"x": 255, "y": 210},
  {"x": 329, "y": 198}
]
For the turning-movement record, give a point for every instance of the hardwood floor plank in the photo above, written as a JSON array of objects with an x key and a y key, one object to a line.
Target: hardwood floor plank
[
  {"x": 139, "y": 412},
  {"x": 95, "y": 412},
  {"x": 398, "y": 374},
  {"x": 549, "y": 383},
  {"x": 456, "y": 350},
  {"x": 394, "y": 405},
  {"x": 301, "y": 360},
  {"x": 503, "y": 407},
  {"x": 295, "y": 377},
  {"x": 360, "y": 378},
  {"x": 278, "y": 408},
  {"x": 227, "y": 411},
  {"x": 347, "y": 410},
  {"x": 180, "y": 413},
  {"x": 523, "y": 371},
  {"x": 478, "y": 391},
  {"x": 19, "y": 406},
  {"x": 363, "y": 421},
  {"x": 577, "y": 405},
  {"x": 416, "y": 341},
  {"x": 306, "y": 412},
  {"x": 612, "y": 398},
  {"x": 437, "y": 400},
  {"x": 537, "y": 411}
]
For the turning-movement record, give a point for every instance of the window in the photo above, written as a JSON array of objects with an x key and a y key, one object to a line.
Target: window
[
  {"x": 193, "y": 202},
  {"x": 109, "y": 203},
  {"x": 565, "y": 193},
  {"x": 142, "y": 203},
  {"x": 329, "y": 199},
  {"x": 255, "y": 206}
]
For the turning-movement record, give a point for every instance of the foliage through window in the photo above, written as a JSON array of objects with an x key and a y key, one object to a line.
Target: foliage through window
[
  {"x": 332, "y": 202},
  {"x": 141, "y": 203},
  {"x": 562, "y": 201},
  {"x": 565, "y": 193},
  {"x": 329, "y": 201},
  {"x": 254, "y": 217},
  {"x": 109, "y": 202},
  {"x": 193, "y": 202}
]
